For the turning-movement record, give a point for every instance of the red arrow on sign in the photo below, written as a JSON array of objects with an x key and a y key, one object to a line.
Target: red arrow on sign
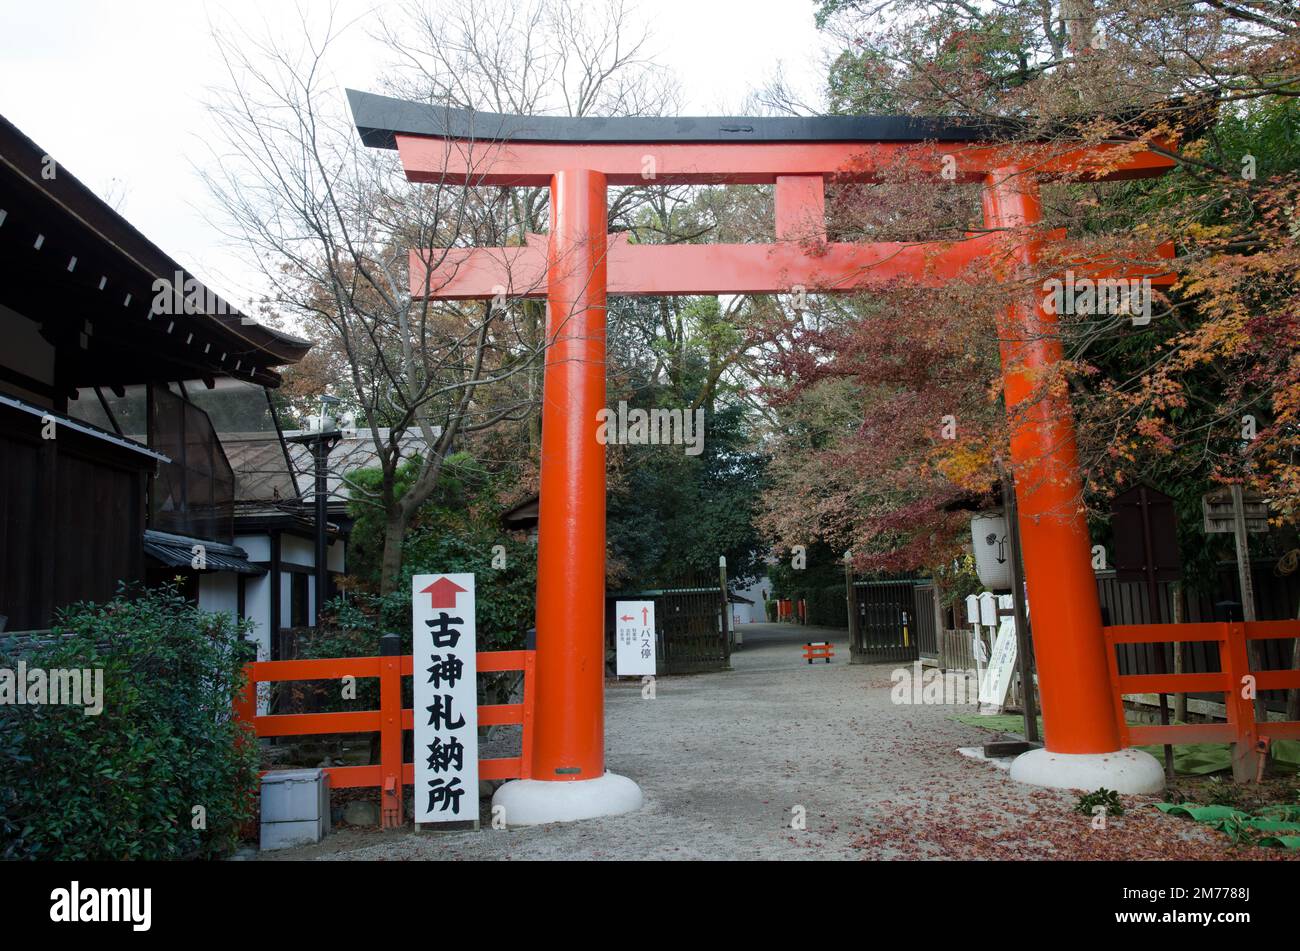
[
  {"x": 626, "y": 617},
  {"x": 645, "y": 616},
  {"x": 442, "y": 593}
]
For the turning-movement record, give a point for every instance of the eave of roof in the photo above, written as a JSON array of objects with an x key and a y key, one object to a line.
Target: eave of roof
[
  {"x": 23, "y": 161},
  {"x": 177, "y": 551},
  {"x": 63, "y": 421}
]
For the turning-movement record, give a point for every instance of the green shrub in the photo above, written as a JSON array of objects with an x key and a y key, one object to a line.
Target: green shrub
[
  {"x": 1108, "y": 799},
  {"x": 353, "y": 625},
  {"x": 124, "y": 784},
  {"x": 825, "y": 605}
]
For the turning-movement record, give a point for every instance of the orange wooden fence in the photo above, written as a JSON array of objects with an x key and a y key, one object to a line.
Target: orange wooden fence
[
  {"x": 391, "y": 773},
  {"x": 821, "y": 650},
  {"x": 1250, "y": 737}
]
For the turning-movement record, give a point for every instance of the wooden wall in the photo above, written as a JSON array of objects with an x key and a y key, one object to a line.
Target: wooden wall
[{"x": 72, "y": 519}]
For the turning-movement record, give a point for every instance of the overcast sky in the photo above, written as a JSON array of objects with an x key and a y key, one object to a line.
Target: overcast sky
[{"x": 114, "y": 91}]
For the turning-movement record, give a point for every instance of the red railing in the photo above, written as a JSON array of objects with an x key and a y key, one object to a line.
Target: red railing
[
  {"x": 1250, "y": 737},
  {"x": 822, "y": 650},
  {"x": 391, "y": 773}
]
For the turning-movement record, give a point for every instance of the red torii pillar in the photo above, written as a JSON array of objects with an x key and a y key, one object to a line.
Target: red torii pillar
[
  {"x": 570, "y": 729},
  {"x": 1083, "y": 748},
  {"x": 568, "y": 779}
]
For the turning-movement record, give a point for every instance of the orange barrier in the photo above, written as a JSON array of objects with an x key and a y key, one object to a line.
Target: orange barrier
[
  {"x": 1250, "y": 738},
  {"x": 822, "y": 650},
  {"x": 391, "y": 773}
]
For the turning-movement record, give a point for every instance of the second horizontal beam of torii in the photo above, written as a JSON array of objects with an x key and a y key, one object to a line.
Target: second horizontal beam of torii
[{"x": 653, "y": 270}]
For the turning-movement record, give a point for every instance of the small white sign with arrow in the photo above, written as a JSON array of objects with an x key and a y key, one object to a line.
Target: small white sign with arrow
[{"x": 634, "y": 635}]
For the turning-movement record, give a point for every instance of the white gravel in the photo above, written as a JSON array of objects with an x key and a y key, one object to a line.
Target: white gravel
[{"x": 724, "y": 758}]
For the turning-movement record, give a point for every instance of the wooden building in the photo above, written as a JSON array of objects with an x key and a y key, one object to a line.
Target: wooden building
[{"x": 111, "y": 470}]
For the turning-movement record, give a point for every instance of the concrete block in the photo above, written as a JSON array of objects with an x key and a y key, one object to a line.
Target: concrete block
[
  {"x": 293, "y": 795},
  {"x": 295, "y": 808},
  {"x": 287, "y": 835}
]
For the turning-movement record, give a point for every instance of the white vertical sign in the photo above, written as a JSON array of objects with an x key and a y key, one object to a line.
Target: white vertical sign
[
  {"x": 634, "y": 635},
  {"x": 444, "y": 674},
  {"x": 993, "y": 689}
]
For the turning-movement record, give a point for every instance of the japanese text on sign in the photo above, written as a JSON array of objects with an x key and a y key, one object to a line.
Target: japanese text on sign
[
  {"x": 444, "y": 639},
  {"x": 634, "y": 636}
]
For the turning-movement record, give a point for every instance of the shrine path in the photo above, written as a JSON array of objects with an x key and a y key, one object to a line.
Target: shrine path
[{"x": 724, "y": 758}]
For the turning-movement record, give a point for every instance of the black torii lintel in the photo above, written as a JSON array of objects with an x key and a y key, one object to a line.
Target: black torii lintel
[{"x": 380, "y": 118}]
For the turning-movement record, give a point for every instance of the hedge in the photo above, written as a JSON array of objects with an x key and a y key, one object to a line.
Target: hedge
[{"x": 164, "y": 771}]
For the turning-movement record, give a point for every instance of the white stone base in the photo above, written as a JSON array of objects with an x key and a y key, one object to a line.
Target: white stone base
[
  {"x": 1125, "y": 771},
  {"x": 532, "y": 802},
  {"x": 977, "y": 753}
]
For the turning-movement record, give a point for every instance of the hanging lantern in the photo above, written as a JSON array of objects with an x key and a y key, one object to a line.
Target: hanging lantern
[{"x": 992, "y": 550}]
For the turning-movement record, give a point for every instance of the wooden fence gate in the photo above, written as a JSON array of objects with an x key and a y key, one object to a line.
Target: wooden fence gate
[
  {"x": 693, "y": 627},
  {"x": 883, "y": 624},
  {"x": 923, "y": 623}
]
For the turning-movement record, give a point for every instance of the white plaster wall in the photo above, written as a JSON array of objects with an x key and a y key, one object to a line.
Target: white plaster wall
[
  {"x": 219, "y": 591},
  {"x": 297, "y": 551},
  {"x": 257, "y": 608},
  {"x": 751, "y": 614},
  {"x": 257, "y": 546},
  {"x": 286, "y": 598}
]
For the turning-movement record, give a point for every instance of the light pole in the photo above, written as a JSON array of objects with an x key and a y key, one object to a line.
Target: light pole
[{"x": 322, "y": 438}]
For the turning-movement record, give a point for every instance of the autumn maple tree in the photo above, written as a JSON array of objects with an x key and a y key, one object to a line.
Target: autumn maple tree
[{"x": 891, "y": 407}]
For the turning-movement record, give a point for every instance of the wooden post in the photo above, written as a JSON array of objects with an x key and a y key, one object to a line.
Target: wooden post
[
  {"x": 850, "y": 605},
  {"x": 529, "y": 715},
  {"x": 1242, "y": 538},
  {"x": 1180, "y": 699},
  {"x": 1241, "y": 712},
  {"x": 1023, "y": 642},
  {"x": 1153, "y": 602},
  {"x": 390, "y": 731},
  {"x": 726, "y": 607},
  {"x": 1243, "y": 554},
  {"x": 938, "y": 622}
]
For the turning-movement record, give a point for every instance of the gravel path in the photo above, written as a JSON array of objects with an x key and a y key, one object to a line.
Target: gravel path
[{"x": 724, "y": 758}]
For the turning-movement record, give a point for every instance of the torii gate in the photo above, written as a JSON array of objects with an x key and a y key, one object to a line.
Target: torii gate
[{"x": 577, "y": 265}]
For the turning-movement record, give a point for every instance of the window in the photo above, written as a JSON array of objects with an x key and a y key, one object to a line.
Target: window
[{"x": 299, "y": 599}]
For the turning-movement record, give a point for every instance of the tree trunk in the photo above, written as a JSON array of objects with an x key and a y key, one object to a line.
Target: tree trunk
[
  {"x": 535, "y": 317},
  {"x": 391, "y": 564}
]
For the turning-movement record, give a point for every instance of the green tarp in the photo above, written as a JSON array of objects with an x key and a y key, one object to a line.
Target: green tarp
[{"x": 1282, "y": 820}]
